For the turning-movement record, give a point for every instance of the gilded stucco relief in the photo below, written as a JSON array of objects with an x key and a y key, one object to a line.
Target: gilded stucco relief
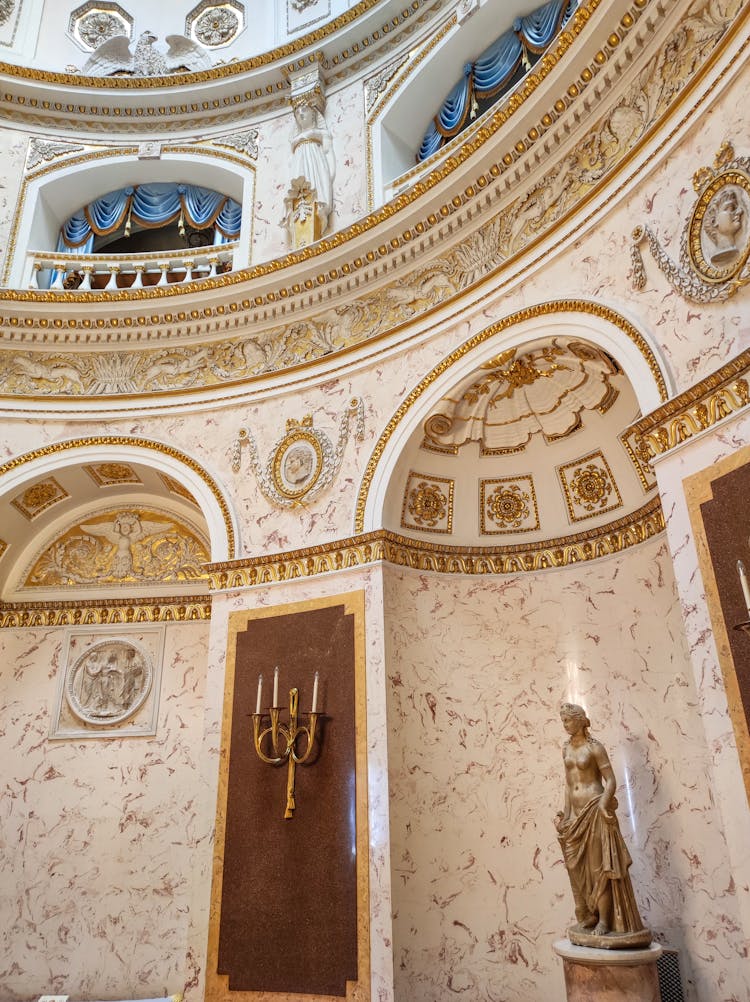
[
  {"x": 428, "y": 503},
  {"x": 303, "y": 462},
  {"x": 128, "y": 546}
]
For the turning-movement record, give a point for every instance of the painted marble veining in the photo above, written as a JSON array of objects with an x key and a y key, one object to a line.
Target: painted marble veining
[
  {"x": 697, "y": 455},
  {"x": 106, "y": 828},
  {"x": 476, "y": 672},
  {"x": 12, "y": 157}
]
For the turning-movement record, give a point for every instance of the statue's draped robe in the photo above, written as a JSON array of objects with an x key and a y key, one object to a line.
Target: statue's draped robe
[{"x": 578, "y": 838}]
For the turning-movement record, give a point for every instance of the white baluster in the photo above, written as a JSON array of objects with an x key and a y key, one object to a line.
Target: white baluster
[
  {"x": 112, "y": 283},
  {"x": 60, "y": 275},
  {"x": 138, "y": 280},
  {"x": 164, "y": 265},
  {"x": 85, "y": 285},
  {"x": 34, "y": 280},
  {"x": 213, "y": 261},
  {"x": 188, "y": 270}
]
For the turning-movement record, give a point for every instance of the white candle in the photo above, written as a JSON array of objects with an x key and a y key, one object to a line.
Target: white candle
[
  {"x": 745, "y": 585},
  {"x": 260, "y": 690},
  {"x": 276, "y": 686},
  {"x": 315, "y": 693}
]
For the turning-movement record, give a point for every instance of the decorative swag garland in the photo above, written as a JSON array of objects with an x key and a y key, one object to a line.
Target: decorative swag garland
[
  {"x": 489, "y": 74},
  {"x": 151, "y": 206}
]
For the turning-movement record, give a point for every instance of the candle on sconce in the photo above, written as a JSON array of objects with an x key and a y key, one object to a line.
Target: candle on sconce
[
  {"x": 315, "y": 693},
  {"x": 260, "y": 690},
  {"x": 276, "y": 686},
  {"x": 744, "y": 583}
]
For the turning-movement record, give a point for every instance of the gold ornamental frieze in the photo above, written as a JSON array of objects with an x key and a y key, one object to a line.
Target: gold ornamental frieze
[
  {"x": 105, "y": 612},
  {"x": 718, "y": 396},
  {"x": 422, "y": 555}
]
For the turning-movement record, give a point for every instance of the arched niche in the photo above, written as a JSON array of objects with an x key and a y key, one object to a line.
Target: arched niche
[
  {"x": 591, "y": 323},
  {"x": 74, "y": 476},
  {"x": 49, "y": 197},
  {"x": 398, "y": 125}
]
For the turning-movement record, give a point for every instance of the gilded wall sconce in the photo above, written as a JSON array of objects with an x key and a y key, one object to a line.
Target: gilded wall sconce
[{"x": 282, "y": 738}]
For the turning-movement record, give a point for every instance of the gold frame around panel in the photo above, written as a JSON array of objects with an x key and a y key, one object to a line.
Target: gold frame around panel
[
  {"x": 529, "y": 313},
  {"x": 423, "y": 555},
  {"x": 697, "y": 490},
  {"x": 217, "y": 984},
  {"x": 140, "y": 443}
]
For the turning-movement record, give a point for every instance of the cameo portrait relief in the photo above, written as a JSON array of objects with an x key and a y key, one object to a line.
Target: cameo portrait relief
[
  {"x": 719, "y": 230},
  {"x": 297, "y": 463},
  {"x": 724, "y": 235}
]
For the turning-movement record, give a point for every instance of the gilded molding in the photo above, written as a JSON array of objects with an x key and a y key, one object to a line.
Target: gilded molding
[
  {"x": 540, "y": 310},
  {"x": 105, "y": 612},
  {"x": 393, "y": 548},
  {"x": 290, "y": 49},
  {"x": 714, "y": 398},
  {"x": 102, "y": 441}
]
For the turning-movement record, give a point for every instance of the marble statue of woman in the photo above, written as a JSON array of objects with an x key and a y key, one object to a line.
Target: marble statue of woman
[
  {"x": 595, "y": 854},
  {"x": 313, "y": 160}
]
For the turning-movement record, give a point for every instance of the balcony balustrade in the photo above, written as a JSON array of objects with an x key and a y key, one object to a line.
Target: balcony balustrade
[{"x": 55, "y": 272}]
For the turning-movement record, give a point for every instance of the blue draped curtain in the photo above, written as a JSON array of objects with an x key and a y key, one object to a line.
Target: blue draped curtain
[
  {"x": 493, "y": 69},
  {"x": 151, "y": 206}
]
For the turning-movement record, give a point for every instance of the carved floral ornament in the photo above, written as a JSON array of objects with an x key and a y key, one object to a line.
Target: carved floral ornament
[
  {"x": 715, "y": 241},
  {"x": 215, "y": 24},
  {"x": 303, "y": 462}
]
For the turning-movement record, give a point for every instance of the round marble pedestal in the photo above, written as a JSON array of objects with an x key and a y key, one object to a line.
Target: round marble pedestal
[{"x": 609, "y": 975}]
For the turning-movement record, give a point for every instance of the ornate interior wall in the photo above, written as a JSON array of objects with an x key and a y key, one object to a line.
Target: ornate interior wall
[{"x": 522, "y": 231}]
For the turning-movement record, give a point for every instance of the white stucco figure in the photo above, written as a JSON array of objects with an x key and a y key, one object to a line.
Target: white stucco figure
[{"x": 313, "y": 160}]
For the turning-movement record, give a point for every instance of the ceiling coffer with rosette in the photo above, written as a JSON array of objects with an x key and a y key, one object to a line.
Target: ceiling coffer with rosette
[{"x": 513, "y": 396}]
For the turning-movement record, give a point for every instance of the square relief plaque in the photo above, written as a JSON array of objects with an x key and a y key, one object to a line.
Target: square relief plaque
[{"x": 110, "y": 684}]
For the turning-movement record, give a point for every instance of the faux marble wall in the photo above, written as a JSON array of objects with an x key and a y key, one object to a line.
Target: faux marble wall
[
  {"x": 345, "y": 118},
  {"x": 694, "y": 456},
  {"x": 97, "y": 837},
  {"x": 476, "y": 670},
  {"x": 13, "y": 147}
]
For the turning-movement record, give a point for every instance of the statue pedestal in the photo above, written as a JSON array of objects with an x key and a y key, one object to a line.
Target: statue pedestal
[{"x": 593, "y": 975}]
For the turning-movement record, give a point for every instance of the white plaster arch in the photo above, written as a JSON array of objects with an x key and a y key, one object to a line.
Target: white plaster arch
[
  {"x": 49, "y": 196},
  {"x": 211, "y": 497},
  {"x": 580, "y": 319}
]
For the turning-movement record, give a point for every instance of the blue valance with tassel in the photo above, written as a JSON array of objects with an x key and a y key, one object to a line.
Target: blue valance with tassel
[
  {"x": 493, "y": 69},
  {"x": 151, "y": 206}
]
